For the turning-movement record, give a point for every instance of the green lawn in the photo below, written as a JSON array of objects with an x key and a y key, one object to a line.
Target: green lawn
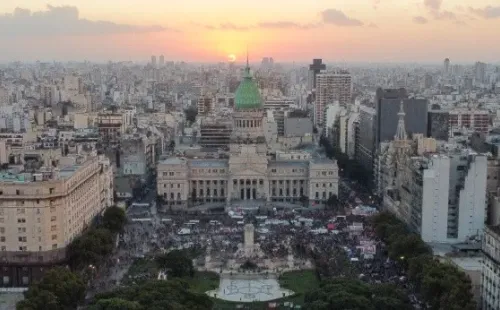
[
  {"x": 299, "y": 281},
  {"x": 203, "y": 281}
]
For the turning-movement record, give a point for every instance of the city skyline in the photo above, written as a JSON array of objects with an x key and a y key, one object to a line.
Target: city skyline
[{"x": 368, "y": 30}]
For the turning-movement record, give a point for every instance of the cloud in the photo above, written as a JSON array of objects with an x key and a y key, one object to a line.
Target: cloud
[
  {"x": 287, "y": 25},
  {"x": 433, "y": 4},
  {"x": 230, "y": 26},
  {"x": 62, "y": 20},
  {"x": 488, "y": 12},
  {"x": 261, "y": 25},
  {"x": 420, "y": 20},
  {"x": 445, "y": 15},
  {"x": 372, "y": 25},
  {"x": 338, "y": 18}
]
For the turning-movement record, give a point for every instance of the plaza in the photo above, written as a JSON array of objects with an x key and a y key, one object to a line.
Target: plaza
[{"x": 249, "y": 288}]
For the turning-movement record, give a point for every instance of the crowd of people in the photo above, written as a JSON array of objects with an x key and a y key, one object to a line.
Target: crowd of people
[{"x": 335, "y": 244}]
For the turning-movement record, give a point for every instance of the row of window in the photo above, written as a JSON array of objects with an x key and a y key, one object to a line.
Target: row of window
[{"x": 21, "y": 211}]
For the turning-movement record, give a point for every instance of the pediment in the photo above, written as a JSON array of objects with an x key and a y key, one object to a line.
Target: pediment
[{"x": 248, "y": 172}]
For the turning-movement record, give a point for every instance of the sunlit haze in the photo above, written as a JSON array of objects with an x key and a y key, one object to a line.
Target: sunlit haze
[{"x": 288, "y": 30}]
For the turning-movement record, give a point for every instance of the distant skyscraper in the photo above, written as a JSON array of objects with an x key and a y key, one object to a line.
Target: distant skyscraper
[
  {"x": 153, "y": 61},
  {"x": 480, "y": 72},
  {"x": 314, "y": 69},
  {"x": 446, "y": 69},
  {"x": 162, "y": 60},
  {"x": 330, "y": 88}
]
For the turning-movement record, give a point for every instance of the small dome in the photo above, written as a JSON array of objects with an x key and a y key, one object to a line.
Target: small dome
[{"x": 247, "y": 95}]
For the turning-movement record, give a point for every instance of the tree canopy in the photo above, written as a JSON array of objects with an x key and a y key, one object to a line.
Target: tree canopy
[
  {"x": 58, "y": 289},
  {"x": 173, "y": 294},
  {"x": 177, "y": 263},
  {"x": 91, "y": 248},
  {"x": 191, "y": 114},
  {"x": 114, "y": 219},
  {"x": 442, "y": 285},
  {"x": 345, "y": 293}
]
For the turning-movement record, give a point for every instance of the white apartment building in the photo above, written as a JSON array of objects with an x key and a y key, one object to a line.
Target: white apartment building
[
  {"x": 330, "y": 88},
  {"x": 490, "y": 278},
  {"x": 442, "y": 196}
]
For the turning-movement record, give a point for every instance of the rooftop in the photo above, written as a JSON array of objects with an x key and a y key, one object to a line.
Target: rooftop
[
  {"x": 171, "y": 161},
  {"x": 208, "y": 163},
  {"x": 468, "y": 263}
]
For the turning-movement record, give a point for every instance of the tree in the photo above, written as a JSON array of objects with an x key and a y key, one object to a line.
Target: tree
[
  {"x": 191, "y": 114},
  {"x": 91, "y": 248},
  {"x": 158, "y": 295},
  {"x": 344, "y": 293},
  {"x": 114, "y": 219},
  {"x": 59, "y": 287},
  {"x": 333, "y": 202},
  {"x": 177, "y": 263},
  {"x": 116, "y": 304},
  {"x": 39, "y": 299}
]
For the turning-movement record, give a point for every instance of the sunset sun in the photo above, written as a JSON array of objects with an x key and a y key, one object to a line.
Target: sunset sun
[{"x": 231, "y": 57}]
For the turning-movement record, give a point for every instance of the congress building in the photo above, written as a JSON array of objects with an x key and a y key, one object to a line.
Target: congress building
[{"x": 249, "y": 172}]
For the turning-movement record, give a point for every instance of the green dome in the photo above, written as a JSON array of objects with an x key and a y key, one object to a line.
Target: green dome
[{"x": 247, "y": 95}]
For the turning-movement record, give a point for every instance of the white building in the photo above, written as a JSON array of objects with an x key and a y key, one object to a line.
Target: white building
[
  {"x": 330, "y": 88},
  {"x": 442, "y": 196},
  {"x": 248, "y": 173},
  {"x": 490, "y": 280}
]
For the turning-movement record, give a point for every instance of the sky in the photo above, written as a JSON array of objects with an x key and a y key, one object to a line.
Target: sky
[{"x": 287, "y": 30}]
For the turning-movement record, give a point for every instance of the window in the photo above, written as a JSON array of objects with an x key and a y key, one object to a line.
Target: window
[
  {"x": 54, "y": 246},
  {"x": 1, "y": 219},
  {"x": 21, "y": 220},
  {"x": 23, "y": 248},
  {"x": 4, "y": 248},
  {"x": 54, "y": 237},
  {"x": 2, "y": 239},
  {"x": 21, "y": 229},
  {"x": 18, "y": 192},
  {"x": 22, "y": 239},
  {"x": 52, "y": 209},
  {"x": 51, "y": 190},
  {"x": 53, "y": 228},
  {"x": 273, "y": 170},
  {"x": 53, "y": 218}
]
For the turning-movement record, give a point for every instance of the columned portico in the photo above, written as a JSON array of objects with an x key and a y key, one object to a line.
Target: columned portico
[{"x": 248, "y": 189}]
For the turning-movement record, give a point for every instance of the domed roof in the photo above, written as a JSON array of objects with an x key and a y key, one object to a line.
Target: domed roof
[{"x": 247, "y": 95}]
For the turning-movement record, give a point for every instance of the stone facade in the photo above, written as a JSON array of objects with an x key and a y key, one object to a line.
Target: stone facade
[{"x": 248, "y": 171}]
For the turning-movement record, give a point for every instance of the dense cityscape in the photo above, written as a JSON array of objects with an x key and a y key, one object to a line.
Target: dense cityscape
[{"x": 248, "y": 183}]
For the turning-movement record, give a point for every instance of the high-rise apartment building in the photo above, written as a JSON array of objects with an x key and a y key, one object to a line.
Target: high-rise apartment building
[
  {"x": 480, "y": 72},
  {"x": 442, "y": 197},
  {"x": 314, "y": 69},
  {"x": 330, "y": 88},
  {"x": 446, "y": 69},
  {"x": 206, "y": 105},
  {"x": 490, "y": 280},
  {"x": 153, "y": 61},
  {"x": 42, "y": 210},
  {"x": 162, "y": 60}
]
